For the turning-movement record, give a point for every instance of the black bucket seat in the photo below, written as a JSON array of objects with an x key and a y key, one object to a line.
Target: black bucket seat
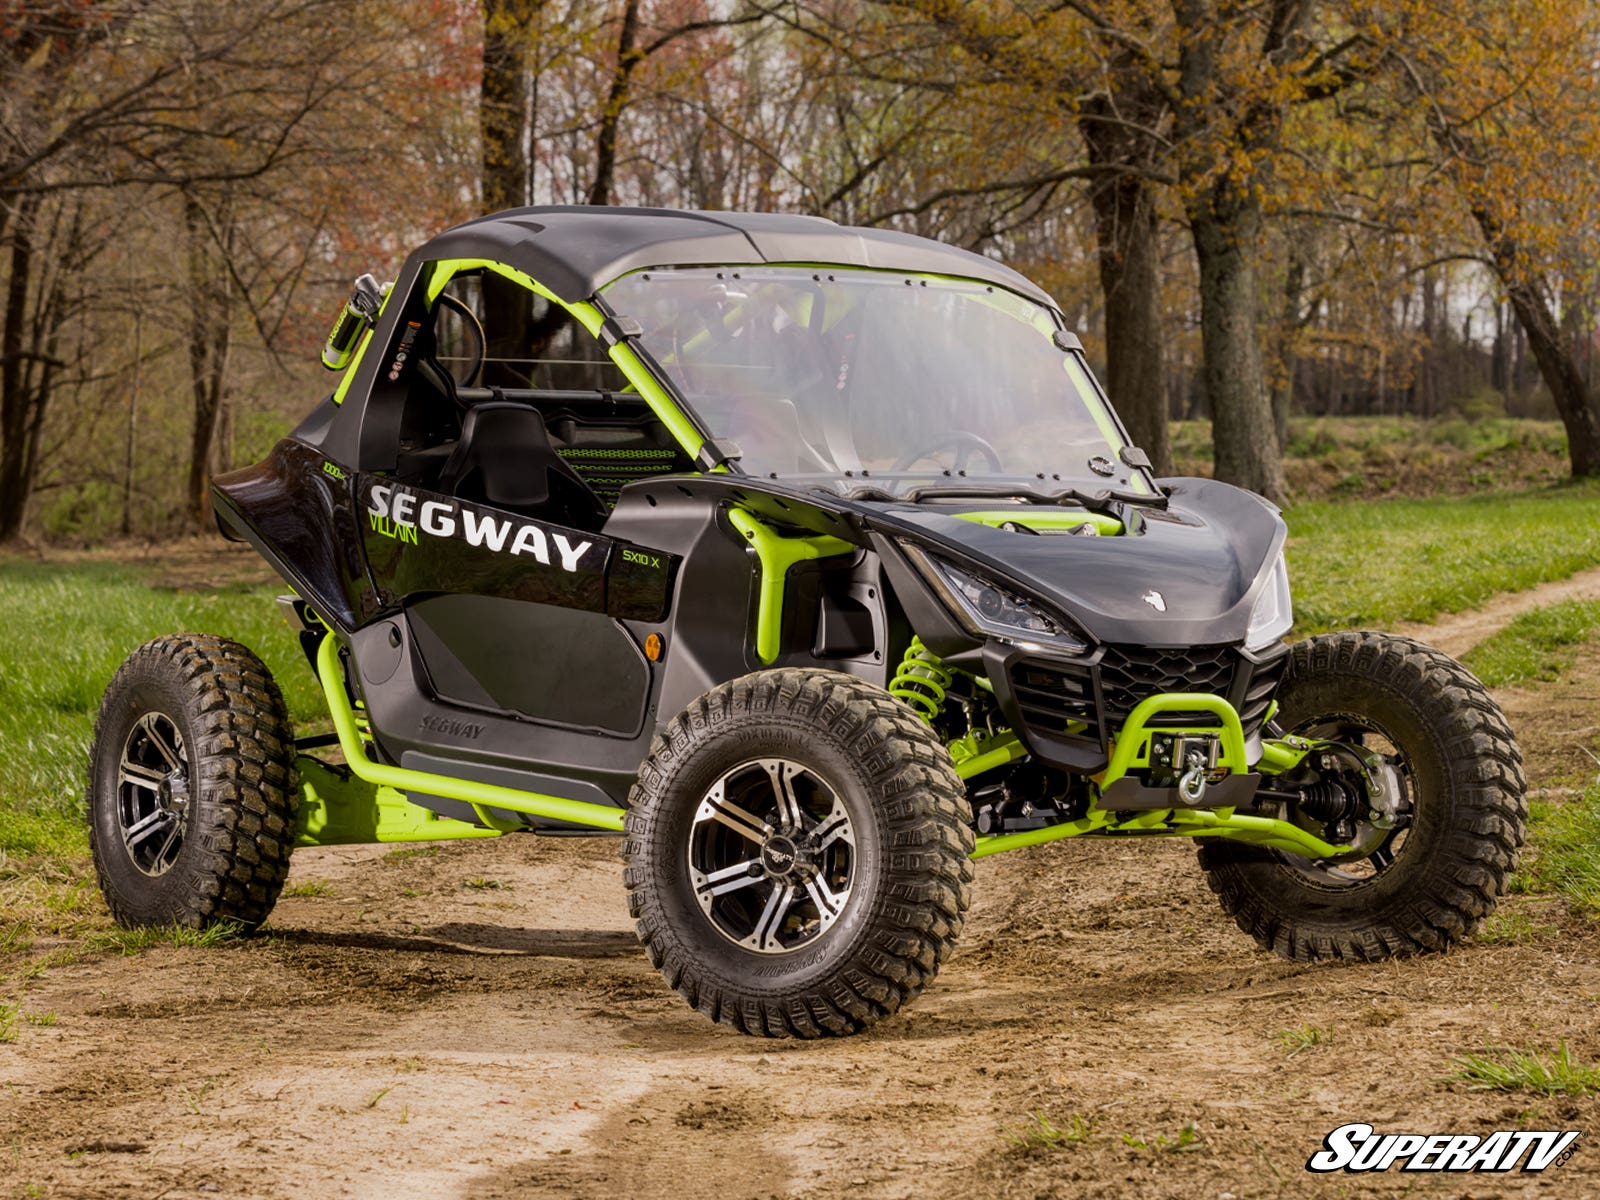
[{"x": 505, "y": 459}]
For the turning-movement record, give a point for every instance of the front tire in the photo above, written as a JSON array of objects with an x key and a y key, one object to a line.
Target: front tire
[
  {"x": 1431, "y": 880},
  {"x": 192, "y": 786},
  {"x": 797, "y": 854}
]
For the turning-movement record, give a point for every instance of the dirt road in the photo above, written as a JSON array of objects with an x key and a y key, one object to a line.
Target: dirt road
[{"x": 477, "y": 1021}]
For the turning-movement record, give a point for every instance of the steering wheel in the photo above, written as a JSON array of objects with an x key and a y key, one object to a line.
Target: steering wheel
[{"x": 961, "y": 442}]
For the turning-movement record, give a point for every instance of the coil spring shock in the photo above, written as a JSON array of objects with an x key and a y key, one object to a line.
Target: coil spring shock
[{"x": 921, "y": 681}]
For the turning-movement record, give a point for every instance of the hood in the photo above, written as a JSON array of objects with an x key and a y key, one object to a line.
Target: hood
[{"x": 1203, "y": 561}]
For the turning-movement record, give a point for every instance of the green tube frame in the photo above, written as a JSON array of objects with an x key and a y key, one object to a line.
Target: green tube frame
[
  {"x": 776, "y": 555},
  {"x": 338, "y": 808},
  {"x": 481, "y": 796},
  {"x": 1131, "y": 752},
  {"x": 1000, "y": 752}
]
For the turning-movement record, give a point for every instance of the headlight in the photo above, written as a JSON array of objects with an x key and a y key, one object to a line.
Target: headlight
[
  {"x": 1273, "y": 614},
  {"x": 985, "y": 607}
]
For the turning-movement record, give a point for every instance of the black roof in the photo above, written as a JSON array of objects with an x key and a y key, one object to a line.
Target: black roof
[{"x": 574, "y": 250}]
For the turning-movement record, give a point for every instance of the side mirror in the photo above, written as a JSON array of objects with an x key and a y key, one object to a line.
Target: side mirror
[{"x": 1135, "y": 457}]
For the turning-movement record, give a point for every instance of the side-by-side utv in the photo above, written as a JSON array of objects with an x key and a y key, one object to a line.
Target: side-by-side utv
[{"x": 814, "y": 562}]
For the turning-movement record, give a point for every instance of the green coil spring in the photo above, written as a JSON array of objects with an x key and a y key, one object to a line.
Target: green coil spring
[{"x": 921, "y": 680}]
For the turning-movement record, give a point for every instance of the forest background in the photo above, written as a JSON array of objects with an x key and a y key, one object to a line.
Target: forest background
[{"x": 1263, "y": 218}]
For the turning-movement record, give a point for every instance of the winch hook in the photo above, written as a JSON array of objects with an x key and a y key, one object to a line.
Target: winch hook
[{"x": 1192, "y": 786}]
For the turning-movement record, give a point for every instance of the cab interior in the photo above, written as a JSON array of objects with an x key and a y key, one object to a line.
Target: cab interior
[{"x": 511, "y": 403}]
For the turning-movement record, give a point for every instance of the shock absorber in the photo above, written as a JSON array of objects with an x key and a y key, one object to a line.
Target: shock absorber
[{"x": 921, "y": 680}]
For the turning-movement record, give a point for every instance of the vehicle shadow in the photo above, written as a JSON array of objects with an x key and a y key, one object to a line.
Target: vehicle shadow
[{"x": 477, "y": 939}]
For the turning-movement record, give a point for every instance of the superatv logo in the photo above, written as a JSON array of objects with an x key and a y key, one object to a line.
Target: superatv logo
[
  {"x": 1358, "y": 1147},
  {"x": 400, "y": 515}
]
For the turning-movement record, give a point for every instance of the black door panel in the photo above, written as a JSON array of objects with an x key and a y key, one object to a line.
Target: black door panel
[{"x": 551, "y": 664}]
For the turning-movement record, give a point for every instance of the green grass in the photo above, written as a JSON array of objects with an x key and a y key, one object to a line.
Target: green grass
[
  {"x": 1041, "y": 1133},
  {"x": 407, "y": 853},
  {"x": 10, "y": 1018},
  {"x": 1363, "y": 565},
  {"x": 70, "y": 626},
  {"x": 1537, "y": 645},
  {"x": 1549, "y": 1074},
  {"x": 1566, "y": 850},
  {"x": 136, "y": 941},
  {"x": 1512, "y": 928},
  {"x": 311, "y": 887},
  {"x": 1302, "y": 1037},
  {"x": 1187, "y": 1138},
  {"x": 1324, "y": 438}
]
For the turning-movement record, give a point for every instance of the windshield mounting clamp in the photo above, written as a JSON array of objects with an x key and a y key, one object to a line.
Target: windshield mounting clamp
[{"x": 617, "y": 328}]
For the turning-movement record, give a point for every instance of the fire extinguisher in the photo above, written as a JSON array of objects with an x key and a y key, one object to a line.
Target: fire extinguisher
[{"x": 354, "y": 319}]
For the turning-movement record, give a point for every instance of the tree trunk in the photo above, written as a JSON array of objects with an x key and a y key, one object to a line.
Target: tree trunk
[
  {"x": 605, "y": 164},
  {"x": 1223, "y": 201},
  {"x": 1561, "y": 374},
  {"x": 1559, "y": 366},
  {"x": 131, "y": 444},
  {"x": 1130, "y": 279},
  {"x": 17, "y": 397},
  {"x": 210, "y": 340},
  {"x": 1226, "y": 229},
  {"x": 1428, "y": 366},
  {"x": 1290, "y": 321},
  {"x": 503, "y": 103}
]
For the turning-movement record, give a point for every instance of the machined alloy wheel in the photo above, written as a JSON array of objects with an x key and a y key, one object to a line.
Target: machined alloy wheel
[
  {"x": 797, "y": 853},
  {"x": 153, "y": 793},
  {"x": 772, "y": 855},
  {"x": 191, "y": 786}
]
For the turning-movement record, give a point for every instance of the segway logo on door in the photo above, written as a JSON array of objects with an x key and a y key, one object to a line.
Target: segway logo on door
[
  {"x": 401, "y": 515},
  {"x": 1358, "y": 1147}
]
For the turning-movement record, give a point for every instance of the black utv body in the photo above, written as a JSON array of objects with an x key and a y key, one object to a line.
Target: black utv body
[{"x": 814, "y": 560}]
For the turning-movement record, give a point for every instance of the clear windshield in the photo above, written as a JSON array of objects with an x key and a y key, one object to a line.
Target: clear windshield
[{"x": 906, "y": 380}]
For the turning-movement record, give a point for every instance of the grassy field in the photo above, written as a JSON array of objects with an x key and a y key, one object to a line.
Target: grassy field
[
  {"x": 1537, "y": 645},
  {"x": 1373, "y": 457},
  {"x": 1375, "y": 564},
  {"x": 1339, "y": 439}
]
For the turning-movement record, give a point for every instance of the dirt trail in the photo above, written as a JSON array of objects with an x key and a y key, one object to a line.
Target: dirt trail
[
  {"x": 1456, "y": 633},
  {"x": 477, "y": 1021}
]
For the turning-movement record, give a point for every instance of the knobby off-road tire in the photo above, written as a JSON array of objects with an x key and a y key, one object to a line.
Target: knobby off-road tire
[
  {"x": 847, "y": 756},
  {"x": 192, "y": 786},
  {"x": 1468, "y": 795}
]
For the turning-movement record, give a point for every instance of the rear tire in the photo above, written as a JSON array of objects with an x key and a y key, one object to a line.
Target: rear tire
[
  {"x": 797, "y": 854},
  {"x": 192, "y": 786},
  {"x": 1429, "y": 884}
]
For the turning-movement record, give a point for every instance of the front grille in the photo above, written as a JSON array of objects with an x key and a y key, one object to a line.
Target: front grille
[
  {"x": 1260, "y": 688},
  {"x": 1051, "y": 697},
  {"x": 1091, "y": 701},
  {"x": 1130, "y": 674}
]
